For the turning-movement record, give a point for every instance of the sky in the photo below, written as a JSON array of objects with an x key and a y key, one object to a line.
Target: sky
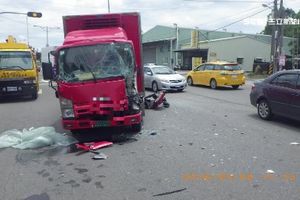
[{"x": 204, "y": 14}]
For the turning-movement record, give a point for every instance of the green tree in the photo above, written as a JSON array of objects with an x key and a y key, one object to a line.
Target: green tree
[{"x": 289, "y": 30}]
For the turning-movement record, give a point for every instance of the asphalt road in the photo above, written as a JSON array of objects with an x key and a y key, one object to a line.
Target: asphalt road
[{"x": 209, "y": 144}]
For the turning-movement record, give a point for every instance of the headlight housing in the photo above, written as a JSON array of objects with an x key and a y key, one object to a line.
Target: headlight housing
[{"x": 66, "y": 106}]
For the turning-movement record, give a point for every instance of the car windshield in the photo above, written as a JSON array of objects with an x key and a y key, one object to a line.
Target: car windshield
[
  {"x": 162, "y": 70},
  {"x": 95, "y": 62},
  {"x": 231, "y": 67},
  {"x": 16, "y": 60}
]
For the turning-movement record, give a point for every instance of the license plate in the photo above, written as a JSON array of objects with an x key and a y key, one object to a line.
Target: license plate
[
  {"x": 102, "y": 123},
  {"x": 12, "y": 89}
]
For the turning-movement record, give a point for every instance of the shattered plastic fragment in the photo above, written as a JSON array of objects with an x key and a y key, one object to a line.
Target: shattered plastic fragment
[
  {"x": 100, "y": 156},
  {"x": 99, "y": 145},
  {"x": 93, "y": 145},
  {"x": 270, "y": 171},
  {"x": 34, "y": 138},
  {"x": 167, "y": 193}
]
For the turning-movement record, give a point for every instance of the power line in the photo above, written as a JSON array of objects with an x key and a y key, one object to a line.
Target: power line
[
  {"x": 239, "y": 20},
  {"x": 230, "y": 1}
]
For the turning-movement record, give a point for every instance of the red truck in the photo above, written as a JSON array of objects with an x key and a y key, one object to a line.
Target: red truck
[{"x": 99, "y": 72}]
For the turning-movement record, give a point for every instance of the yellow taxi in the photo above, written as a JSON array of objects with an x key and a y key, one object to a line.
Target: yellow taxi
[{"x": 217, "y": 74}]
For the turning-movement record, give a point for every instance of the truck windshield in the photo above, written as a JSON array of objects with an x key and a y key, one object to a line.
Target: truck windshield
[
  {"x": 16, "y": 60},
  {"x": 95, "y": 62}
]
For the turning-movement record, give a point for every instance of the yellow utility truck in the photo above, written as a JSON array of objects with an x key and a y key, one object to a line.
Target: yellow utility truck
[{"x": 18, "y": 70}]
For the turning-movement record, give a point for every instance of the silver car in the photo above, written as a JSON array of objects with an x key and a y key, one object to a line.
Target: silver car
[{"x": 159, "y": 77}]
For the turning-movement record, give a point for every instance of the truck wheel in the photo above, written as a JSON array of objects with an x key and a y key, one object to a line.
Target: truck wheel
[
  {"x": 35, "y": 95},
  {"x": 213, "y": 84},
  {"x": 154, "y": 87},
  {"x": 136, "y": 127},
  {"x": 264, "y": 110}
]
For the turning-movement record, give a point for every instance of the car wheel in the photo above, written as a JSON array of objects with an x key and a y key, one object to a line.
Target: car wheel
[
  {"x": 190, "y": 81},
  {"x": 235, "y": 87},
  {"x": 264, "y": 110},
  {"x": 213, "y": 84},
  {"x": 154, "y": 87}
]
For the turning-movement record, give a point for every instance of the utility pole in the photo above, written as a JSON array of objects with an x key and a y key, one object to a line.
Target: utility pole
[
  {"x": 280, "y": 34},
  {"x": 108, "y": 6},
  {"x": 274, "y": 38},
  {"x": 46, "y": 28},
  {"x": 277, "y": 35},
  {"x": 28, "y": 14},
  {"x": 177, "y": 42}
]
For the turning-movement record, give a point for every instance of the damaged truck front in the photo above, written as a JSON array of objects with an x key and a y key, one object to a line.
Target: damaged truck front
[{"x": 98, "y": 71}]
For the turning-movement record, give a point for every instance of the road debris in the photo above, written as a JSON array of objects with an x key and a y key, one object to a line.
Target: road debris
[
  {"x": 34, "y": 138},
  {"x": 269, "y": 171},
  {"x": 153, "y": 101},
  {"x": 100, "y": 156},
  {"x": 167, "y": 193},
  {"x": 294, "y": 143},
  {"x": 91, "y": 146},
  {"x": 153, "y": 133}
]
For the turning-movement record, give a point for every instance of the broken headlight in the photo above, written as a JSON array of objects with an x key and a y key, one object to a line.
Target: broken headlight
[{"x": 66, "y": 106}]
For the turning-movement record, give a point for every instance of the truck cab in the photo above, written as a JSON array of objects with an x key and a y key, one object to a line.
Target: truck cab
[
  {"x": 98, "y": 71},
  {"x": 18, "y": 70}
]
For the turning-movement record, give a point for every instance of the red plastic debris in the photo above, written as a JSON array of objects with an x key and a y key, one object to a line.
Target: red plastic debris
[
  {"x": 93, "y": 145},
  {"x": 99, "y": 145}
]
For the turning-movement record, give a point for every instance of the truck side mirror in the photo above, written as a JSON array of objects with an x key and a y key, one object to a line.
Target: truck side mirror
[{"x": 47, "y": 71}]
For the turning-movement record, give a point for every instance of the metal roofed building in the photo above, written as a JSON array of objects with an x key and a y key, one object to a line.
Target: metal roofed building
[{"x": 163, "y": 45}]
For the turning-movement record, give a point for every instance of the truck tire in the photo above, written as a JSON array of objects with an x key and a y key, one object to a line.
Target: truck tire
[
  {"x": 136, "y": 127},
  {"x": 35, "y": 95}
]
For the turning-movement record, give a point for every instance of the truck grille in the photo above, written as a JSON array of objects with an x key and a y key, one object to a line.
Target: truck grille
[{"x": 11, "y": 83}]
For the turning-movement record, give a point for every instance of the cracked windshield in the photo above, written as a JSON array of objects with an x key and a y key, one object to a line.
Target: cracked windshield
[
  {"x": 95, "y": 62},
  {"x": 146, "y": 100}
]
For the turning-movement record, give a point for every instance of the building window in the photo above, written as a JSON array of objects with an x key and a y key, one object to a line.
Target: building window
[{"x": 240, "y": 60}]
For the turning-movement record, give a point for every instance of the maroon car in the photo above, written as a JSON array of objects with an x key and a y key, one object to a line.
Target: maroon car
[{"x": 278, "y": 94}]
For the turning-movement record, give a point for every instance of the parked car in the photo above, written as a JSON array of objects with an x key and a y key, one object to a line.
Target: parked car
[
  {"x": 279, "y": 94},
  {"x": 217, "y": 74},
  {"x": 158, "y": 77}
]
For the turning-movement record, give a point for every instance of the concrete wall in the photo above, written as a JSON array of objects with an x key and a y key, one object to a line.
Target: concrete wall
[{"x": 243, "y": 47}]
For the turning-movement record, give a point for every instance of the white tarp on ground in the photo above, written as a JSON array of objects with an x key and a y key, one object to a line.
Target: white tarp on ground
[{"x": 34, "y": 138}]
